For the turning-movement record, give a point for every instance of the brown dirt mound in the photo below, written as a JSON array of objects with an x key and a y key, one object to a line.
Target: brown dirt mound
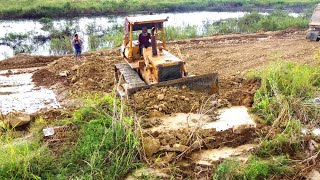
[
  {"x": 167, "y": 100},
  {"x": 26, "y": 61},
  {"x": 93, "y": 73},
  {"x": 44, "y": 77},
  {"x": 238, "y": 91}
]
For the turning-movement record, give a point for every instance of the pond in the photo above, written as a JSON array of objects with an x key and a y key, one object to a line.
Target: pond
[{"x": 34, "y": 37}]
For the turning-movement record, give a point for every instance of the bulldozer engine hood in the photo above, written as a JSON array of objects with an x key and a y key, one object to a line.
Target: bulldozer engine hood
[{"x": 164, "y": 59}]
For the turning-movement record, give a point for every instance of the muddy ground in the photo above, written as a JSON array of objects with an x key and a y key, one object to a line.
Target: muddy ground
[{"x": 232, "y": 56}]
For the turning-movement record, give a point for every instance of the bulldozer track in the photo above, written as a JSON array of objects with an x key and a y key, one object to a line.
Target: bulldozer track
[{"x": 130, "y": 76}]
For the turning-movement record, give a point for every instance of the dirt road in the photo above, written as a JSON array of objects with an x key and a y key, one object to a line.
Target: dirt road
[{"x": 236, "y": 54}]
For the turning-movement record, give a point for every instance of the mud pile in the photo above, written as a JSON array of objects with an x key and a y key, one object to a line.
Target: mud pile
[
  {"x": 167, "y": 100},
  {"x": 93, "y": 72},
  {"x": 25, "y": 61},
  {"x": 238, "y": 91}
]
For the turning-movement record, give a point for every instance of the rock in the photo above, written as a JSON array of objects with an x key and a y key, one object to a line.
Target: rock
[
  {"x": 172, "y": 100},
  {"x": 74, "y": 79},
  {"x": 201, "y": 43},
  {"x": 155, "y": 113},
  {"x": 180, "y": 147},
  {"x": 174, "y": 148},
  {"x": 63, "y": 74},
  {"x": 248, "y": 101},
  {"x": 160, "y": 96},
  {"x": 17, "y": 119},
  {"x": 75, "y": 67},
  {"x": 313, "y": 175},
  {"x": 240, "y": 129},
  {"x": 151, "y": 146},
  {"x": 139, "y": 99}
]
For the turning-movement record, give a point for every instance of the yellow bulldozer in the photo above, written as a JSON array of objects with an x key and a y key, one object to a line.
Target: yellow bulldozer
[
  {"x": 313, "y": 33},
  {"x": 154, "y": 65}
]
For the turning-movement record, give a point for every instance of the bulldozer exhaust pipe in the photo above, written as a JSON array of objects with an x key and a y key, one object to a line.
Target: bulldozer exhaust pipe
[{"x": 153, "y": 43}]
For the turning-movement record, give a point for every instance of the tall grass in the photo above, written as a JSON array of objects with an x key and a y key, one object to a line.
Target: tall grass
[
  {"x": 254, "y": 168},
  {"x": 60, "y": 46},
  {"x": 284, "y": 88},
  {"x": 255, "y": 22},
  {"x": 21, "y": 158},
  {"x": 107, "y": 147}
]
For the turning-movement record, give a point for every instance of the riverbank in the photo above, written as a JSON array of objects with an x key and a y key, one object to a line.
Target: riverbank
[
  {"x": 66, "y": 8},
  {"x": 52, "y": 37},
  {"x": 106, "y": 139}
]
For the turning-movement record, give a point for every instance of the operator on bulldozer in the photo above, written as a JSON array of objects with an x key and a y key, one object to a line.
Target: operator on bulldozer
[
  {"x": 149, "y": 64},
  {"x": 144, "y": 38}
]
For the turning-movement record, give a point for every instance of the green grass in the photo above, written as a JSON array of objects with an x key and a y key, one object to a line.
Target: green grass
[
  {"x": 58, "y": 8},
  {"x": 107, "y": 147},
  {"x": 255, "y": 22},
  {"x": 254, "y": 168},
  {"x": 290, "y": 142},
  {"x": 285, "y": 86}
]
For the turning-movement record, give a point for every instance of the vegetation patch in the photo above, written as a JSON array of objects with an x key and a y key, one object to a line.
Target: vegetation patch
[
  {"x": 59, "y": 8},
  {"x": 254, "y": 168},
  {"x": 286, "y": 87},
  {"x": 107, "y": 147}
]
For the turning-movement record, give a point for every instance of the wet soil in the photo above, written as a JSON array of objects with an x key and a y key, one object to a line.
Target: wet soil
[{"x": 232, "y": 56}]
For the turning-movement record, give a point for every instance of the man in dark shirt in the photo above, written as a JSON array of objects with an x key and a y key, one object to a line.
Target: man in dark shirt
[
  {"x": 77, "y": 43},
  {"x": 144, "y": 38}
]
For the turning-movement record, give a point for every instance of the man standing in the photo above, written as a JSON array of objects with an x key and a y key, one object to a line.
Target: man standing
[
  {"x": 144, "y": 38},
  {"x": 77, "y": 43}
]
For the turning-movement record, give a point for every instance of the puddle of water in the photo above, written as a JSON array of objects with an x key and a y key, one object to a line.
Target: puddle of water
[
  {"x": 17, "y": 93},
  {"x": 208, "y": 157},
  {"x": 228, "y": 118}
]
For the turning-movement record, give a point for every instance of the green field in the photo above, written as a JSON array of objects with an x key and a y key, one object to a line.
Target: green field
[{"x": 65, "y": 8}]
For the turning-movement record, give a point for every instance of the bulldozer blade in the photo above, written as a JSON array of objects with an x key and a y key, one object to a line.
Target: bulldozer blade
[
  {"x": 204, "y": 83},
  {"x": 313, "y": 35}
]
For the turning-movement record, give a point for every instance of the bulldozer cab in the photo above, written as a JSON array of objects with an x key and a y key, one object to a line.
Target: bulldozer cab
[
  {"x": 313, "y": 33},
  {"x": 130, "y": 46}
]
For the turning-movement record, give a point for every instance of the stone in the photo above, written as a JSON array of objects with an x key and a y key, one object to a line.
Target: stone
[
  {"x": 201, "y": 43},
  {"x": 174, "y": 148},
  {"x": 156, "y": 113},
  {"x": 313, "y": 175},
  {"x": 151, "y": 146},
  {"x": 64, "y": 73},
  {"x": 75, "y": 67},
  {"x": 172, "y": 100},
  {"x": 139, "y": 99},
  {"x": 160, "y": 96},
  {"x": 17, "y": 119},
  {"x": 240, "y": 129},
  {"x": 74, "y": 79}
]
